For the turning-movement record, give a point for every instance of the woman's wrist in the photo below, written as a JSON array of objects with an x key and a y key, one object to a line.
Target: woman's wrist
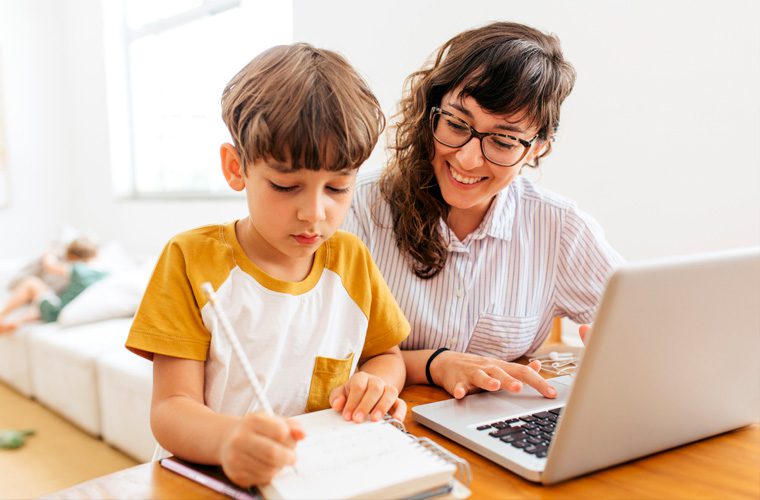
[{"x": 429, "y": 364}]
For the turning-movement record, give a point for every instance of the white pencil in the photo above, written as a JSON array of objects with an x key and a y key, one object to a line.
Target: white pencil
[
  {"x": 208, "y": 290},
  {"x": 258, "y": 391}
]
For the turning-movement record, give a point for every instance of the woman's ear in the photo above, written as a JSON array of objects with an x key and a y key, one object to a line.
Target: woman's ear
[{"x": 231, "y": 167}]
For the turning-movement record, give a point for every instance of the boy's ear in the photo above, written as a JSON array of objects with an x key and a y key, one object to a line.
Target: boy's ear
[{"x": 231, "y": 167}]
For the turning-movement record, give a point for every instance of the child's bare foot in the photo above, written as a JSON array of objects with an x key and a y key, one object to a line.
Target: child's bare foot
[{"x": 8, "y": 326}]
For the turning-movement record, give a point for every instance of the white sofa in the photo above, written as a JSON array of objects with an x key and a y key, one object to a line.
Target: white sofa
[{"x": 84, "y": 373}]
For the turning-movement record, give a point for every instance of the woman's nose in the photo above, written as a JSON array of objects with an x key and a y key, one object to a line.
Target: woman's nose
[{"x": 470, "y": 156}]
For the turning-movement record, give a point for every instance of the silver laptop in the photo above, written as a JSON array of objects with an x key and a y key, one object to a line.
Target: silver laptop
[{"x": 673, "y": 358}]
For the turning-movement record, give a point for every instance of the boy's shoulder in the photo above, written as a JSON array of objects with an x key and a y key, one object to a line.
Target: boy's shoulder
[
  {"x": 212, "y": 233},
  {"x": 344, "y": 241}
]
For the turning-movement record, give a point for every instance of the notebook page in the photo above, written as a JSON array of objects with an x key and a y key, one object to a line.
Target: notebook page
[{"x": 340, "y": 459}]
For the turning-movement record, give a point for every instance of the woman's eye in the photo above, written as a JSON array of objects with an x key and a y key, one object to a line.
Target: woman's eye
[
  {"x": 282, "y": 189},
  {"x": 501, "y": 144},
  {"x": 459, "y": 127}
]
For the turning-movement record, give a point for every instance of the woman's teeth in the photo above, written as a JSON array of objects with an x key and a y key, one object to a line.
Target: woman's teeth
[{"x": 463, "y": 179}]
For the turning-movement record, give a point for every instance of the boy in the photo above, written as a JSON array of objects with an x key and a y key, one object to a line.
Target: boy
[
  {"x": 76, "y": 274},
  {"x": 307, "y": 302}
]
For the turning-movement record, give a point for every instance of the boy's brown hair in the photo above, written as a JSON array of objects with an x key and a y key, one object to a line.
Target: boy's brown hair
[{"x": 302, "y": 105}]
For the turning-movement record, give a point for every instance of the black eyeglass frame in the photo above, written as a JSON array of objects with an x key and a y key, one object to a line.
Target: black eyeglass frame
[{"x": 480, "y": 135}]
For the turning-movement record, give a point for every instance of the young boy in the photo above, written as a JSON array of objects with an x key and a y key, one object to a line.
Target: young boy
[
  {"x": 315, "y": 318},
  {"x": 76, "y": 274}
]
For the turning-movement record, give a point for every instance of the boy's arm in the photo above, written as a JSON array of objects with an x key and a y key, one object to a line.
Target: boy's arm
[
  {"x": 373, "y": 390},
  {"x": 250, "y": 449}
]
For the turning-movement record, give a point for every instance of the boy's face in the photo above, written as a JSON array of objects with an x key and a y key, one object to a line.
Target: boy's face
[{"x": 292, "y": 212}]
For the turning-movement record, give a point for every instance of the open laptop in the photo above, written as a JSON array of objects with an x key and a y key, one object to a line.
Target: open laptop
[{"x": 673, "y": 358}]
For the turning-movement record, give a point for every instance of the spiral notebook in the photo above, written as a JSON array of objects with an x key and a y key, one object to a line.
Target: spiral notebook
[{"x": 340, "y": 459}]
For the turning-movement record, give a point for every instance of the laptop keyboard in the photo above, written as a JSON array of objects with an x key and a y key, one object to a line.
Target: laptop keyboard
[{"x": 531, "y": 433}]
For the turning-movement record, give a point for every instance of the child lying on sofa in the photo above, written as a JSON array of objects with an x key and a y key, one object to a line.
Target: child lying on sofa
[{"x": 48, "y": 304}]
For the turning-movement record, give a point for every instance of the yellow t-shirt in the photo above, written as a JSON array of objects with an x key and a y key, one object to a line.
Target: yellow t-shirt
[{"x": 302, "y": 339}]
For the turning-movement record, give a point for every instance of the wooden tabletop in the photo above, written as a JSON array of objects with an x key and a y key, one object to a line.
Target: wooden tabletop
[{"x": 726, "y": 466}]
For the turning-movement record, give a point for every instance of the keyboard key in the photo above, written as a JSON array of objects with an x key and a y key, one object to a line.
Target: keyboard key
[
  {"x": 499, "y": 425},
  {"x": 503, "y": 432},
  {"x": 511, "y": 420},
  {"x": 556, "y": 411},
  {"x": 553, "y": 418},
  {"x": 528, "y": 418},
  {"x": 547, "y": 436},
  {"x": 533, "y": 450},
  {"x": 533, "y": 440},
  {"x": 533, "y": 432},
  {"x": 519, "y": 444},
  {"x": 543, "y": 414},
  {"x": 541, "y": 454},
  {"x": 484, "y": 427}
]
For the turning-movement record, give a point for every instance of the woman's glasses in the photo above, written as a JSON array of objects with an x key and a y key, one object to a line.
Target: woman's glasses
[{"x": 501, "y": 149}]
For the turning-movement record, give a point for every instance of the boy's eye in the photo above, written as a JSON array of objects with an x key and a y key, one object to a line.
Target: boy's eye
[
  {"x": 339, "y": 190},
  {"x": 282, "y": 189}
]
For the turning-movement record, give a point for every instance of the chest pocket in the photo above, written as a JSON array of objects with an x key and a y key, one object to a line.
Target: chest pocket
[
  {"x": 503, "y": 337},
  {"x": 328, "y": 374}
]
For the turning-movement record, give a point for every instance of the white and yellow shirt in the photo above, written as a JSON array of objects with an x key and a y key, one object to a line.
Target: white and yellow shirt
[{"x": 302, "y": 339}]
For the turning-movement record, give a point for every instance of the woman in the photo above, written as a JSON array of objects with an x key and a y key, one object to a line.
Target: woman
[{"x": 479, "y": 258}]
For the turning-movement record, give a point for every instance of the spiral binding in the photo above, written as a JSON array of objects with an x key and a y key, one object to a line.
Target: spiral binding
[{"x": 463, "y": 474}]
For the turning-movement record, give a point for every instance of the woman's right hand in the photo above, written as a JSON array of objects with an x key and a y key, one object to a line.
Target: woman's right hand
[
  {"x": 258, "y": 447},
  {"x": 463, "y": 373}
]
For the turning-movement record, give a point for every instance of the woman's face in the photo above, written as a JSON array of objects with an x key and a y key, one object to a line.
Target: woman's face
[{"x": 468, "y": 180}]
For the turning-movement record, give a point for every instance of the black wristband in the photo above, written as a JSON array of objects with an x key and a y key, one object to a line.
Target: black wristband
[{"x": 430, "y": 360}]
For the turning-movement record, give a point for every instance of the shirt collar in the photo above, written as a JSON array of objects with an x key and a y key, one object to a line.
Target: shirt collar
[{"x": 498, "y": 220}]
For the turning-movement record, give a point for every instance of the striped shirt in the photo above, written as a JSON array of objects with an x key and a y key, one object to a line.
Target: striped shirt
[{"x": 533, "y": 257}]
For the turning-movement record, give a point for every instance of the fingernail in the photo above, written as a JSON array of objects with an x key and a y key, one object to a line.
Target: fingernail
[
  {"x": 552, "y": 391},
  {"x": 515, "y": 386},
  {"x": 347, "y": 415},
  {"x": 377, "y": 416},
  {"x": 359, "y": 416}
]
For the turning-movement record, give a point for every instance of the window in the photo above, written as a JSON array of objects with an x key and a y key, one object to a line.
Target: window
[{"x": 179, "y": 55}]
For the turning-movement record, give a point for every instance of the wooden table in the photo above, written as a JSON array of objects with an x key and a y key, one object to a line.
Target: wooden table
[{"x": 726, "y": 466}]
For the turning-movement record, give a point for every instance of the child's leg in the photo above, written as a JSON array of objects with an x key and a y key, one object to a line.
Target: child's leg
[
  {"x": 26, "y": 292},
  {"x": 9, "y": 326}
]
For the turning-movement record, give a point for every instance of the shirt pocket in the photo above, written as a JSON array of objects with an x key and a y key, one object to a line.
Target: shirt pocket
[
  {"x": 328, "y": 374},
  {"x": 503, "y": 337}
]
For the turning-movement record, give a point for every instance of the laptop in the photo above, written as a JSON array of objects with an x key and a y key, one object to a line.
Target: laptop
[{"x": 673, "y": 358}]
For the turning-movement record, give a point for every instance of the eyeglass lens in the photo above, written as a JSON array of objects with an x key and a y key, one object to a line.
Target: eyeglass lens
[{"x": 455, "y": 133}]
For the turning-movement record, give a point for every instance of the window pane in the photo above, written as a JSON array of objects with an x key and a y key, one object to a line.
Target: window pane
[
  {"x": 177, "y": 78},
  {"x": 141, "y": 12}
]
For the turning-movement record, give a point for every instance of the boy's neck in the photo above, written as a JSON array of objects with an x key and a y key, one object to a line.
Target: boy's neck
[{"x": 274, "y": 263}]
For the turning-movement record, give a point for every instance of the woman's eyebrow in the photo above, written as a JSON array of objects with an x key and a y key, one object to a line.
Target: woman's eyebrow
[{"x": 501, "y": 126}]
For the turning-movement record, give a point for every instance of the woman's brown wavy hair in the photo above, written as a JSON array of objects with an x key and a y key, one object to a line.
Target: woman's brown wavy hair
[{"x": 507, "y": 68}]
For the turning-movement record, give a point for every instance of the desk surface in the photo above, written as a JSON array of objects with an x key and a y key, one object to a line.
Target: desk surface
[{"x": 725, "y": 466}]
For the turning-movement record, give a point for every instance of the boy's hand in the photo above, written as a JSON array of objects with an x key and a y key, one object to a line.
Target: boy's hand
[
  {"x": 367, "y": 395},
  {"x": 259, "y": 446}
]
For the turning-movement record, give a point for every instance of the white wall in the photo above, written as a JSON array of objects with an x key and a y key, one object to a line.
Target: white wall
[
  {"x": 660, "y": 139},
  {"x": 677, "y": 76},
  {"x": 35, "y": 124}
]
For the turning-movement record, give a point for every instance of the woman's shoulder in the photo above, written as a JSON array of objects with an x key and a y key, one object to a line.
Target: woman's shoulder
[
  {"x": 367, "y": 185},
  {"x": 530, "y": 192}
]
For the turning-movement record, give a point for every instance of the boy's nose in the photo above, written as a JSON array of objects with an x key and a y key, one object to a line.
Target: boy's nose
[
  {"x": 470, "y": 156},
  {"x": 312, "y": 210}
]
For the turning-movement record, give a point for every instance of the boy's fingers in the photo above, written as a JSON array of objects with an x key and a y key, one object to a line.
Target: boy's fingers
[
  {"x": 296, "y": 431},
  {"x": 385, "y": 403},
  {"x": 398, "y": 410},
  {"x": 272, "y": 427},
  {"x": 337, "y": 397},
  {"x": 356, "y": 388},
  {"x": 372, "y": 394}
]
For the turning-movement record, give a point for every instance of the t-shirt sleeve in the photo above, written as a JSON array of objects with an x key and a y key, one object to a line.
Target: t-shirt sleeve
[
  {"x": 168, "y": 320},
  {"x": 387, "y": 325},
  {"x": 585, "y": 262}
]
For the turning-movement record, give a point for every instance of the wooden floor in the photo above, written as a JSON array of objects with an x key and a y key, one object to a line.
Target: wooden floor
[{"x": 58, "y": 456}]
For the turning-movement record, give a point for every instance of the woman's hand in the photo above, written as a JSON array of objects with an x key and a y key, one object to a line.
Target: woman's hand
[
  {"x": 366, "y": 395},
  {"x": 462, "y": 373},
  {"x": 258, "y": 447}
]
